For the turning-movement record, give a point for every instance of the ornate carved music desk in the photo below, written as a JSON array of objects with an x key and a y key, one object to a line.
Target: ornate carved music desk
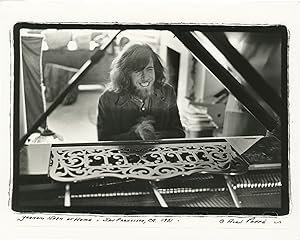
[{"x": 144, "y": 160}]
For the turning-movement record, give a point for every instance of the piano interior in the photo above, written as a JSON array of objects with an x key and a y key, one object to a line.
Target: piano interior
[{"x": 259, "y": 187}]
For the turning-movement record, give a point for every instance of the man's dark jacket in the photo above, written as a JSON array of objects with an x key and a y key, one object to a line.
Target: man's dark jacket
[{"x": 119, "y": 112}]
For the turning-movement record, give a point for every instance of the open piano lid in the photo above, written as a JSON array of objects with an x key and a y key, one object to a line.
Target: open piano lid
[{"x": 261, "y": 97}]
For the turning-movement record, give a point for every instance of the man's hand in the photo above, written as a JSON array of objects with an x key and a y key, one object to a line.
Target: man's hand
[{"x": 145, "y": 129}]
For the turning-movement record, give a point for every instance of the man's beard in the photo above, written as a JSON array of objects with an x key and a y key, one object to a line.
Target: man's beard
[{"x": 143, "y": 92}]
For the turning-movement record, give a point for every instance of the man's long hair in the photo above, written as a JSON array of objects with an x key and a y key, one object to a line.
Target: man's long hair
[{"x": 134, "y": 58}]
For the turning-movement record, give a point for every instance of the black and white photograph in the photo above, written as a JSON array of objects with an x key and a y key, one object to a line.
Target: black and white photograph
[{"x": 150, "y": 118}]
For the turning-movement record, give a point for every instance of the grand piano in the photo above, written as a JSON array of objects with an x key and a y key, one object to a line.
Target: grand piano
[{"x": 208, "y": 175}]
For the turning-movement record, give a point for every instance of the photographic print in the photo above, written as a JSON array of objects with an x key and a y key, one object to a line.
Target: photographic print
[{"x": 148, "y": 119}]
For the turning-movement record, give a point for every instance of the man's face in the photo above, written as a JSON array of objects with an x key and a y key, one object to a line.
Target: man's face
[{"x": 144, "y": 80}]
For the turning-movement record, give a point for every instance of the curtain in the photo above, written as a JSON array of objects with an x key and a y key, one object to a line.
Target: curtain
[{"x": 32, "y": 77}]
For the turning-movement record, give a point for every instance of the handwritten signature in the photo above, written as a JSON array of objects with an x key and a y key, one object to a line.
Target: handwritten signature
[{"x": 251, "y": 220}]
